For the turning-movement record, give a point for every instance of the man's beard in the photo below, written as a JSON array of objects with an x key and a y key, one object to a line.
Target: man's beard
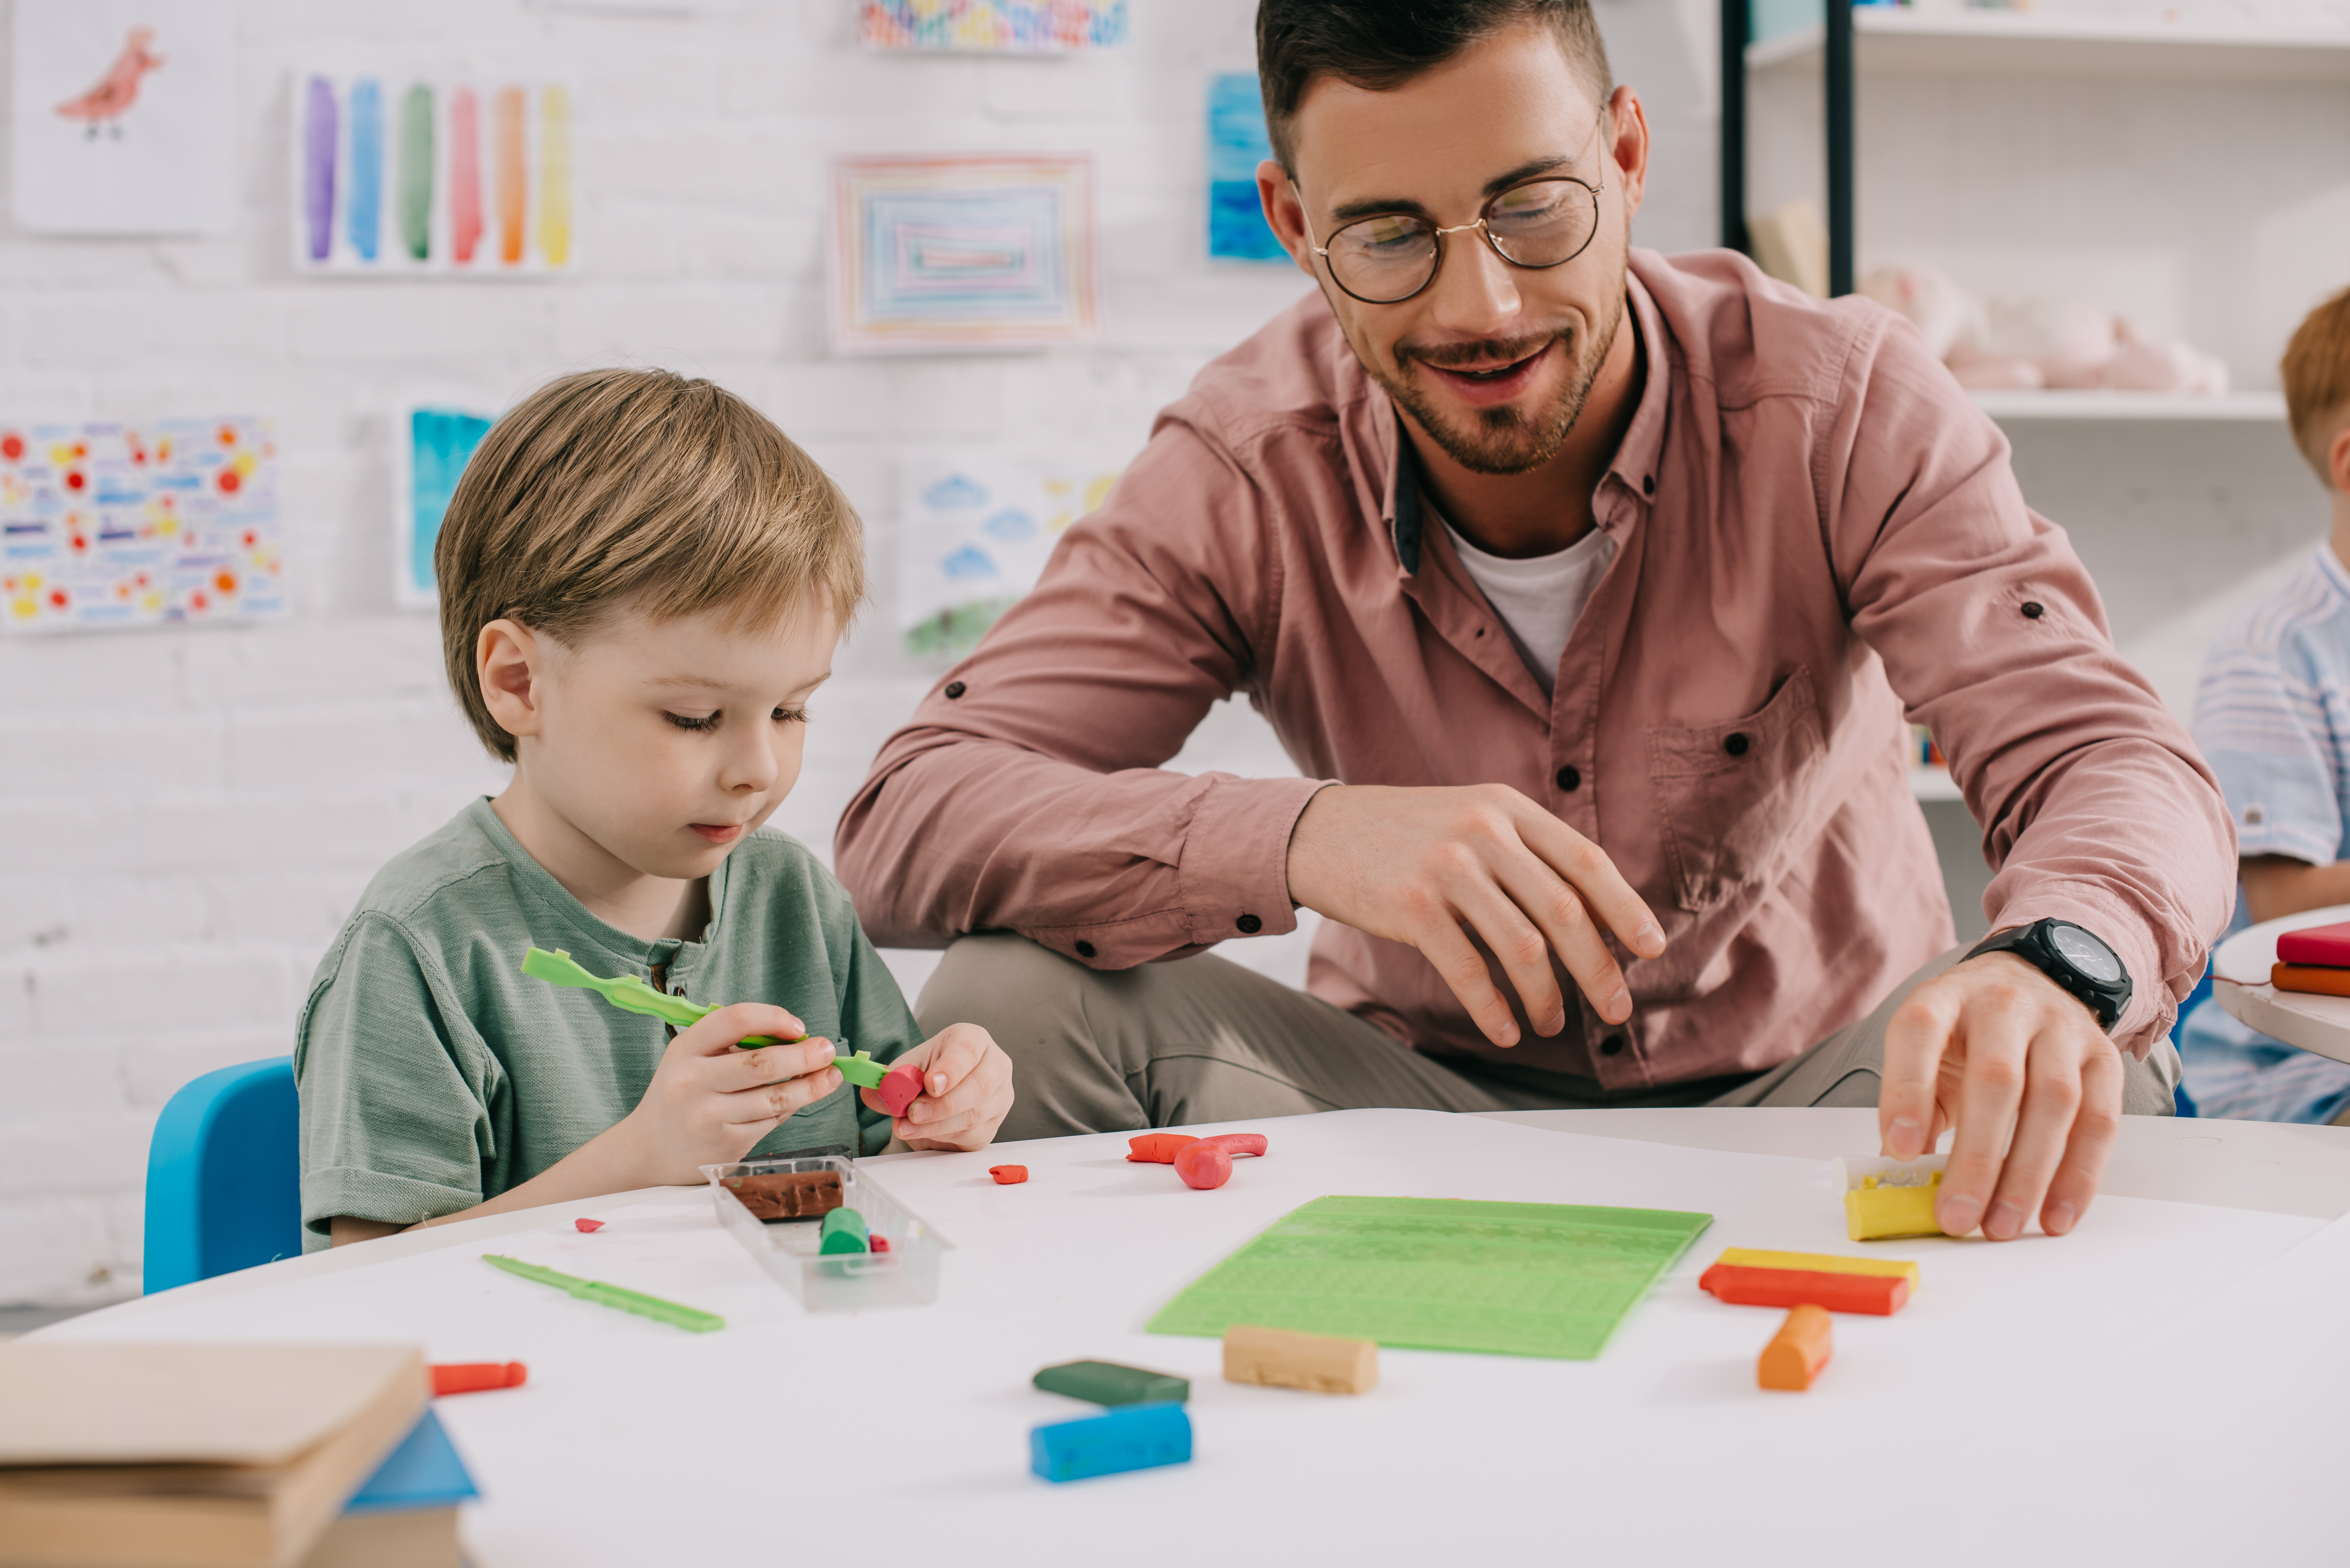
[{"x": 1503, "y": 440}]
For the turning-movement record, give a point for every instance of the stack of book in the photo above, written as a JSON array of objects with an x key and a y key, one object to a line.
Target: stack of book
[
  {"x": 2317, "y": 960},
  {"x": 169, "y": 1456}
]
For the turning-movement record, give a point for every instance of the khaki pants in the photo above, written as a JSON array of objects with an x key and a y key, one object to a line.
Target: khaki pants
[{"x": 1203, "y": 1040}]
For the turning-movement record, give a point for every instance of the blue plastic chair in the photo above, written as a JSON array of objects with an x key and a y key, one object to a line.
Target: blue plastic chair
[{"x": 224, "y": 1175}]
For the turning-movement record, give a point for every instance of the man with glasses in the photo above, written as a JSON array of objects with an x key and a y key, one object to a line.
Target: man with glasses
[{"x": 1589, "y": 587}]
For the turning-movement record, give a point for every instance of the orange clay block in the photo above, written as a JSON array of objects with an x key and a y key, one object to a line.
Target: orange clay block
[
  {"x": 1157, "y": 1148},
  {"x": 1008, "y": 1174},
  {"x": 473, "y": 1376},
  {"x": 1283, "y": 1359},
  {"x": 1882, "y": 1294},
  {"x": 1797, "y": 1352}
]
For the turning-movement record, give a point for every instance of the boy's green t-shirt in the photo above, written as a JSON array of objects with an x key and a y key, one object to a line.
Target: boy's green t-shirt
[{"x": 434, "y": 1075}]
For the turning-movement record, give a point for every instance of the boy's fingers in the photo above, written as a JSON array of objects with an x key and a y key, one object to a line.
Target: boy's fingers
[
  {"x": 989, "y": 1082},
  {"x": 719, "y": 1031},
  {"x": 773, "y": 1101},
  {"x": 778, "y": 1064},
  {"x": 954, "y": 1051}
]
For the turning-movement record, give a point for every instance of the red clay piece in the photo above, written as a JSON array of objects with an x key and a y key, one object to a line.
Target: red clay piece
[
  {"x": 878, "y": 1243},
  {"x": 587, "y": 1227},
  {"x": 473, "y": 1376},
  {"x": 1204, "y": 1165},
  {"x": 1879, "y": 1295},
  {"x": 901, "y": 1086},
  {"x": 1008, "y": 1174},
  {"x": 1238, "y": 1143},
  {"x": 1157, "y": 1148}
]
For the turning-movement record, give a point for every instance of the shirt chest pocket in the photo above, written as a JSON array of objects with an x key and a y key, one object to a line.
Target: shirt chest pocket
[{"x": 1729, "y": 794}]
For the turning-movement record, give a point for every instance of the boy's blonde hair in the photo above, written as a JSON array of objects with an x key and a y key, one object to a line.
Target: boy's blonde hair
[
  {"x": 2317, "y": 380},
  {"x": 636, "y": 485}
]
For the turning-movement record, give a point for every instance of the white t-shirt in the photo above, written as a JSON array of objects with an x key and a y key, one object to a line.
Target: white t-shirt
[{"x": 1539, "y": 599}]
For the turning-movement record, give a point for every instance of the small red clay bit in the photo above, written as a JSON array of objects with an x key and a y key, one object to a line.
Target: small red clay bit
[
  {"x": 878, "y": 1243},
  {"x": 1204, "y": 1165},
  {"x": 1238, "y": 1143},
  {"x": 473, "y": 1376},
  {"x": 901, "y": 1086},
  {"x": 1157, "y": 1148},
  {"x": 587, "y": 1227},
  {"x": 1008, "y": 1174}
]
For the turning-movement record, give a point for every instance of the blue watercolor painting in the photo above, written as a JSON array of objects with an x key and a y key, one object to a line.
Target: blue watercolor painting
[
  {"x": 1237, "y": 143},
  {"x": 435, "y": 445}
]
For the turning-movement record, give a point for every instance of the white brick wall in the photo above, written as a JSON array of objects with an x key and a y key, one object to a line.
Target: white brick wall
[{"x": 185, "y": 817}]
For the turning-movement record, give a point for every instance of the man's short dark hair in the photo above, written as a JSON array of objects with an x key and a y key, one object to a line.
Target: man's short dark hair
[{"x": 1382, "y": 43}]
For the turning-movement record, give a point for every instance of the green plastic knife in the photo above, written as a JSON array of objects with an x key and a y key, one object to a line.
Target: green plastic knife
[{"x": 602, "y": 1294}]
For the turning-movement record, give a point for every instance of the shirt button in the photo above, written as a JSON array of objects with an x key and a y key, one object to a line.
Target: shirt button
[
  {"x": 954, "y": 690},
  {"x": 1647, "y": 484},
  {"x": 1085, "y": 949},
  {"x": 1250, "y": 924},
  {"x": 1612, "y": 1046},
  {"x": 1569, "y": 780},
  {"x": 2033, "y": 609},
  {"x": 1735, "y": 743}
]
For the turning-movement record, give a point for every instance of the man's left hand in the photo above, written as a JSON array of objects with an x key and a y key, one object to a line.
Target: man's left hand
[{"x": 1998, "y": 1050}]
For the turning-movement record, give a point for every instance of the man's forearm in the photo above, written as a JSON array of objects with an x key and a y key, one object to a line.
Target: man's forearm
[{"x": 2278, "y": 885}]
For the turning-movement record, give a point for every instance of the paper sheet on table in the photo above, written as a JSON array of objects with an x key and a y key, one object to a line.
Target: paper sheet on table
[{"x": 1443, "y": 1273}]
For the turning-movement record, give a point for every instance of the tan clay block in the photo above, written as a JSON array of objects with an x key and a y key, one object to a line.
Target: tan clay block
[{"x": 1285, "y": 1359}]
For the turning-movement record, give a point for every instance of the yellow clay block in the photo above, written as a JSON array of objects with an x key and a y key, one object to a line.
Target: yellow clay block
[
  {"x": 1882, "y": 1213},
  {"x": 1818, "y": 1262}
]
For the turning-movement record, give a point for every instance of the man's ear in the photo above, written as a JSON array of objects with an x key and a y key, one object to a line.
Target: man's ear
[
  {"x": 1281, "y": 211},
  {"x": 1628, "y": 155},
  {"x": 510, "y": 662}
]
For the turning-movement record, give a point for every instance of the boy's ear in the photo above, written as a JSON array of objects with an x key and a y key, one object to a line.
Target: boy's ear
[
  {"x": 2337, "y": 459},
  {"x": 509, "y": 660}
]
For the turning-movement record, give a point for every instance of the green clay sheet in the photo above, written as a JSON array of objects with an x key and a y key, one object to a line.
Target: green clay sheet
[{"x": 1443, "y": 1273}]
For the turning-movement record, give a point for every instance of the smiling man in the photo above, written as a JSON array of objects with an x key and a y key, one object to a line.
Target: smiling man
[{"x": 1589, "y": 587}]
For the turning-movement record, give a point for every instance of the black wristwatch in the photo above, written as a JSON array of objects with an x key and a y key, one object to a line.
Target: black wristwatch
[{"x": 2072, "y": 957}]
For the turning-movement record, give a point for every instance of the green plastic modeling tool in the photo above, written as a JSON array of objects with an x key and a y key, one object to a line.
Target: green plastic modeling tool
[
  {"x": 632, "y": 995},
  {"x": 602, "y": 1294}
]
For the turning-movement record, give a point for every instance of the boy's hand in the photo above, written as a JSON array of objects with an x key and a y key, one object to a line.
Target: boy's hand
[
  {"x": 966, "y": 1091},
  {"x": 709, "y": 1103}
]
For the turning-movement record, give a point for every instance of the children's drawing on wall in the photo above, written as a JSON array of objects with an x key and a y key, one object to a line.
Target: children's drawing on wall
[
  {"x": 992, "y": 26},
  {"x": 1237, "y": 143},
  {"x": 430, "y": 444},
  {"x": 403, "y": 176},
  {"x": 974, "y": 530},
  {"x": 109, "y": 525},
  {"x": 966, "y": 252},
  {"x": 123, "y": 115}
]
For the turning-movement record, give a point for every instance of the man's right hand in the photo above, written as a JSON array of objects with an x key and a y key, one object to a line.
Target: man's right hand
[
  {"x": 709, "y": 1102},
  {"x": 1428, "y": 865}
]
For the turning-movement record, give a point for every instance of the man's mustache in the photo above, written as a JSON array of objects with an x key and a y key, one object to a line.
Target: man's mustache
[{"x": 1487, "y": 353}]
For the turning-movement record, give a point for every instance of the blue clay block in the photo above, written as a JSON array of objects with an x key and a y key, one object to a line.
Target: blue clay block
[{"x": 1133, "y": 1438}]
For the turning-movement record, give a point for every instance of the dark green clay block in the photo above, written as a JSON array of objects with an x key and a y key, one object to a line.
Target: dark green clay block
[
  {"x": 844, "y": 1231},
  {"x": 1107, "y": 1382}
]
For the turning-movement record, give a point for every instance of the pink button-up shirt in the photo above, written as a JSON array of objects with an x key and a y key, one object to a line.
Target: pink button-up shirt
[{"x": 1814, "y": 528}]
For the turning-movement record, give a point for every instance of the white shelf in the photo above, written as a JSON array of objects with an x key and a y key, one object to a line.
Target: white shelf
[
  {"x": 1933, "y": 784},
  {"x": 1898, "y": 40},
  {"x": 2243, "y": 408}
]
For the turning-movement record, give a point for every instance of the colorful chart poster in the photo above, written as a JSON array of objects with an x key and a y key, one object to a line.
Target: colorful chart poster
[
  {"x": 431, "y": 443},
  {"x": 122, "y": 116},
  {"x": 398, "y": 176},
  {"x": 963, "y": 252},
  {"x": 992, "y": 26},
  {"x": 106, "y": 525},
  {"x": 975, "y": 528},
  {"x": 1237, "y": 143}
]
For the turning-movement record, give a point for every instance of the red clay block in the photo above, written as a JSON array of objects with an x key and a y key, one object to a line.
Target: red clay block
[
  {"x": 1797, "y": 1352},
  {"x": 1204, "y": 1165},
  {"x": 1880, "y": 1294},
  {"x": 1238, "y": 1143},
  {"x": 901, "y": 1086},
  {"x": 1008, "y": 1174},
  {"x": 473, "y": 1376},
  {"x": 587, "y": 1227},
  {"x": 1157, "y": 1148}
]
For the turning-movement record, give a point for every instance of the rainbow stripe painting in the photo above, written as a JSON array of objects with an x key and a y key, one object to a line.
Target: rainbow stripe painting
[
  {"x": 992, "y": 26},
  {"x": 970, "y": 252},
  {"x": 400, "y": 176}
]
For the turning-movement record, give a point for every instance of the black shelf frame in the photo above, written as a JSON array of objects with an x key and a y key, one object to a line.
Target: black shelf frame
[{"x": 1737, "y": 27}]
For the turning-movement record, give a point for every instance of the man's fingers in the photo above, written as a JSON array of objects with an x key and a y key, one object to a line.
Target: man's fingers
[
  {"x": 1462, "y": 968},
  {"x": 1524, "y": 952},
  {"x": 2051, "y": 1094},
  {"x": 1570, "y": 931},
  {"x": 2096, "y": 1125},
  {"x": 1998, "y": 1045},
  {"x": 1587, "y": 869},
  {"x": 1908, "y": 1118}
]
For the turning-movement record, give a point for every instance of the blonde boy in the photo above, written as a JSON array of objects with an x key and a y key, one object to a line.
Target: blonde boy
[
  {"x": 642, "y": 582},
  {"x": 2273, "y": 718}
]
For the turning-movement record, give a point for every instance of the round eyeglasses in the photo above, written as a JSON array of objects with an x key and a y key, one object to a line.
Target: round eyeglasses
[{"x": 1541, "y": 223}]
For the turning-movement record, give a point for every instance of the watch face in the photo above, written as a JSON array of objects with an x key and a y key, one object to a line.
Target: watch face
[{"x": 2087, "y": 953}]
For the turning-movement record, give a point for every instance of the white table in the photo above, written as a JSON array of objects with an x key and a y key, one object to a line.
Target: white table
[
  {"x": 2239, "y": 983},
  {"x": 902, "y": 1433}
]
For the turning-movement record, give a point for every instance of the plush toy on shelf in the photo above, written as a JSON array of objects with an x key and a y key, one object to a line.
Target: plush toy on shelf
[{"x": 2029, "y": 344}]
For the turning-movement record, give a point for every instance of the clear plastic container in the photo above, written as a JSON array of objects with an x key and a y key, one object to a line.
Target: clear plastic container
[{"x": 905, "y": 1275}]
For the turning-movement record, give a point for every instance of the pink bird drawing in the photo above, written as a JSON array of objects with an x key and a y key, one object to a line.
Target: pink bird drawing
[{"x": 111, "y": 99}]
